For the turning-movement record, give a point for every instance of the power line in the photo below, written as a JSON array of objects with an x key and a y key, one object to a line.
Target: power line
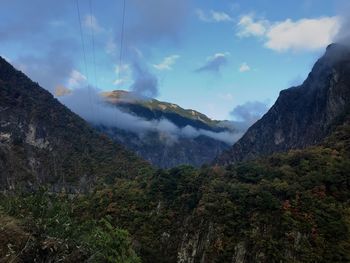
[
  {"x": 84, "y": 54},
  {"x": 93, "y": 52},
  {"x": 121, "y": 49},
  {"x": 81, "y": 37},
  {"x": 122, "y": 39},
  {"x": 93, "y": 43}
]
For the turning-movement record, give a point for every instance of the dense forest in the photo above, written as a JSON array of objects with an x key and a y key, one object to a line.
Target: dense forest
[{"x": 290, "y": 207}]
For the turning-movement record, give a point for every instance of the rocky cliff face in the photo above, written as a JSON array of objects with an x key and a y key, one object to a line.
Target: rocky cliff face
[
  {"x": 42, "y": 142},
  {"x": 302, "y": 115}
]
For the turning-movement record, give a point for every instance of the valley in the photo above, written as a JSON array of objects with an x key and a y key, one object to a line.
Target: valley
[
  {"x": 174, "y": 131},
  {"x": 279, "y": 194}
]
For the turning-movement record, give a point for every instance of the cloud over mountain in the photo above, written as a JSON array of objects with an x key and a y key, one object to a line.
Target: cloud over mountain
[{"x": 88, "y": 103}]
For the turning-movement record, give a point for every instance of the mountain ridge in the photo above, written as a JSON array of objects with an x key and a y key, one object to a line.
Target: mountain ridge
[
  {"x": 155, "y": 146},
  {"x": 160, "y": 109},
  {"x": 302, "y": 115},
  {"x": 285, "y": 207}
]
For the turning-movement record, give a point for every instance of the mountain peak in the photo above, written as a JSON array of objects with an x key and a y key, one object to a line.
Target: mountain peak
[
  {"x": 336, "y": 47},
  {"x": 335, "y": 53},
  {"x": 3, "y": 60},
  {"x": 7, "y": 71}
]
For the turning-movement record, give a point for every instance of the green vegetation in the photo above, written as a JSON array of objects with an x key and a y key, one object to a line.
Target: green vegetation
[
  {"x": 38, "y": 227},
  {"x": 291, "y": 207}
]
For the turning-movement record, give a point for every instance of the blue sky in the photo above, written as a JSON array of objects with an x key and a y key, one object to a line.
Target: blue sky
[{"x": 211, "y": 56}]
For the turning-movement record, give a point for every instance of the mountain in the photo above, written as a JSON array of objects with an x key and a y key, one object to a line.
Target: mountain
[
  {"x": 44, "y": 143},
  {"x": 289, "y": 207},
  {"x": 156, "y": 146},
  {"x": 154, "y": 109},
  {"x": 303, "y": 115},
  {"x": 286, "y": 207}
]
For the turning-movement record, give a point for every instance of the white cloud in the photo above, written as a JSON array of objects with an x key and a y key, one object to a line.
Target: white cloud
[
  {"x": 91, "y": 23},
  {"x": 303, "y": 34},
  {"x": 213, "y": 16},
  {"x": 248, "y": 27},
  {"x": 167, "y": 63},
  {"x": 76, "y": 79},
  {"x": 244, "y": 67}
]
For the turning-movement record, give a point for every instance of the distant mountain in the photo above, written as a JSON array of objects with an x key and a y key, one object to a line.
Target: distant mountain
[
  {"x": 42, "y": 142},
  {"x": 154, "y": 146},
  {"x": 303, "y": 115},
  {"x": 154, "y": 109}
]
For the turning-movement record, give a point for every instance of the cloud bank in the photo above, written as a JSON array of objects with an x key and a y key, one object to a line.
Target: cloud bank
[{"x": 87, "y": 103}]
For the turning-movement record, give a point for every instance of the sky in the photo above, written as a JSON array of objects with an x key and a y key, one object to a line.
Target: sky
[{"x": 228, "y": 59}]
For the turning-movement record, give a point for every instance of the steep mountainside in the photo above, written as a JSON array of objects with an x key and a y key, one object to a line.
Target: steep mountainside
[
  {"x": 42, "y": 142},
  {"x": 153, "y": 146},
  {"x": 302, "y": 115}
]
